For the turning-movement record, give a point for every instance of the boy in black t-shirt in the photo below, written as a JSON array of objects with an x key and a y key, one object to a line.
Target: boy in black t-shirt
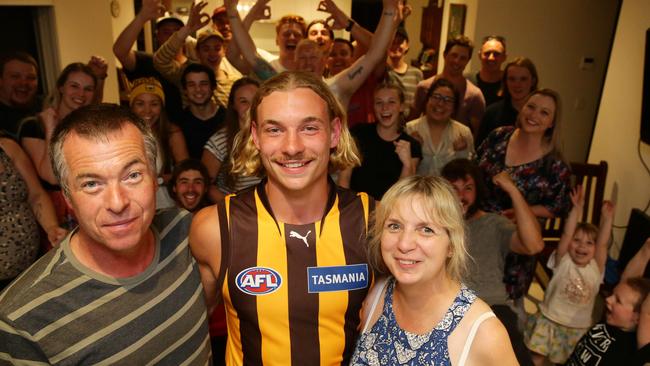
[{"x": 624, "y": 338}]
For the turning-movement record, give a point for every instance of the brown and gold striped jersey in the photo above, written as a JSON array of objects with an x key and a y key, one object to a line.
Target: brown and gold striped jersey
[{"x": 293, "y": 292}]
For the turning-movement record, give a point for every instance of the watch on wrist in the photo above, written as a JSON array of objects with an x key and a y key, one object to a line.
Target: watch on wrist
[{"x": 348, "y": 27}]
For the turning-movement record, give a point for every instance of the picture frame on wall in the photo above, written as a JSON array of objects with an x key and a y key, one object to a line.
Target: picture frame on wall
[{"x": 457, "y": 14}]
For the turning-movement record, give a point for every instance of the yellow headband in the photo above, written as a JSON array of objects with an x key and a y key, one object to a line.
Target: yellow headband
[{"x": 146, "y": 85}]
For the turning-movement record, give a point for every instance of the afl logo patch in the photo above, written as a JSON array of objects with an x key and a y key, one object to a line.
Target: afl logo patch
[{"x": 258, "y": 281}]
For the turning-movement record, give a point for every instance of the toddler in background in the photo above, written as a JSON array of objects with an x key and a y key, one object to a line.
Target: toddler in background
[
  {"x": 578, "y": 265},
  {"x": 616, "y": 342}
]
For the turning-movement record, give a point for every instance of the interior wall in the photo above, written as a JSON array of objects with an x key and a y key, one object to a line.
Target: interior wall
[
  {"x": 618, "y": 125},
  {"x": 557, "y": 35},
  {"x": 82, "y": 28}
]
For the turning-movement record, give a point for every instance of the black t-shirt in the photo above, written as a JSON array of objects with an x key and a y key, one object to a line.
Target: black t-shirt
[
  {"x": 380, "y": 166},
  {"x": 144, "y": 68},
  {"x": 490, "y": 90},
  {"x": 499, "y": 114},
  {"x": 10, "y": 117},
  {"x": 197, "y": 131},
  {"x": 605, "y": 345}
]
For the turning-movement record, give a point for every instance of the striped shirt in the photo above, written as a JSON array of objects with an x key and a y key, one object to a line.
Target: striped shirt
[
  {"x": 61, "y": 312},
  {"x": 217, "y": 145},
  {"x": 293, "y": 292}
]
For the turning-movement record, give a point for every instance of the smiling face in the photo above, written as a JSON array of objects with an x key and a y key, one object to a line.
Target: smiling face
[
  {"x": 398, "y": 49},
  {"x": 243, "y": 98},
  {"x": 620, "y": 307},
  {"x": 190, "y": 188},
  {"x": 211, "y": 52},
  {"x": 321, "y": 35},
  {"x": 414, "y": 248},
  {"x": 112, "y": 189},
  {"x": 309, "y": 58},
  {"x": 166, "y": 30},
  {"x": 18, "y": 83},
  {"x": 537, "y": 114},
  {"x": 148, "y": 107},
  {"x": 388, "y": 108},
  {"x": 340, "y": 58},
  {"x": 441, "y": 104},
  {"x": 294, "y": 135},
  {"x": 492, "y": 55},
  {"x": 582, "y": 248},
  {"x": 198, "y": 88},
  {"x": 220, "y": 23},
  {"x": 519, "y": 82},
  {"x": 77, "y": 91},
  {"x": 466, "y": 191},
  {"x": 456, "y": 60},
  {"x": 287, "y": 38}
]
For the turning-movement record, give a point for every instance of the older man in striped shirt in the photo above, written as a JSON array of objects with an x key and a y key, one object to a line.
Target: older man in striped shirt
[{"x": 122, "y": 288}]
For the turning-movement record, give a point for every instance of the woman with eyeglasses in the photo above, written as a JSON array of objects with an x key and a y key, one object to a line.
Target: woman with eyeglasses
[{"x": 442, "y": 138}]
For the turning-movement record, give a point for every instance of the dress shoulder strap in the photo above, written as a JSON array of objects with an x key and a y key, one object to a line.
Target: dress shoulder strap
[
  {"x": 378, "y": 289},
  {"x": 472, "y": 333}
]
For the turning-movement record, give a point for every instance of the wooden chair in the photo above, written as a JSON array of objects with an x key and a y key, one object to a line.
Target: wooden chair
[{"x": 592, "y": 177}]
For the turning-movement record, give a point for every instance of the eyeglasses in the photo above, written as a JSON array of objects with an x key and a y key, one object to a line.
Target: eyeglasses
[{"x": 442, "y": 98}]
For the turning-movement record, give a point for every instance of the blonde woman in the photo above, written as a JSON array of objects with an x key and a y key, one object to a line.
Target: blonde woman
[{"x": 423, "y": 314}]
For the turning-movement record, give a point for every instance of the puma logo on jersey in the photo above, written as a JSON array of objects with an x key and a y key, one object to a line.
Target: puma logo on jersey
[{"x": 293, "y": 234}]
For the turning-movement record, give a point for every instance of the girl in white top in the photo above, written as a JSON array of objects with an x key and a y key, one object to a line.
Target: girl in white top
[
  {"x": 578, "y": 264},
  {"x": 422, "y": 314}
]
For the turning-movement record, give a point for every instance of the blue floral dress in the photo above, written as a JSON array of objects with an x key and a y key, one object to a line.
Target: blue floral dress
[
  {"x": 545, "y": 182},
  {"x": 388, "y": 344}
]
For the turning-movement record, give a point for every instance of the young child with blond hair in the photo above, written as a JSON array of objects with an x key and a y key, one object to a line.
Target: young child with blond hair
[{"x": 578, "y": 265}]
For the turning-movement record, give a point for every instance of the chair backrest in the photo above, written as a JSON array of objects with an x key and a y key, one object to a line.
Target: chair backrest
[{"x": 592, "y": 177}]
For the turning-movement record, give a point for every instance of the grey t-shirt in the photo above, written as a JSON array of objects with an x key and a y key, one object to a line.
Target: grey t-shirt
[{"x": 488, "y": 244}]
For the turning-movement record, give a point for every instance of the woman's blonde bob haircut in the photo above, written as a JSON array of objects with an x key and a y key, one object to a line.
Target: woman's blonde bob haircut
[
  {"x": 440, "y": 203},
  {"x": 246, "y": 159}
]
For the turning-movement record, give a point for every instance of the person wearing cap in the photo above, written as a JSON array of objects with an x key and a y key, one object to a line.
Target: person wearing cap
[
  {"x": 221, "y": 24},
  {"x": 147, "y": 101},
  {"x": 210, "y": 51},
  {"x": 138, "y": 64},
  {"x": 344, "y": 84},
  {"x": 400, "y": 71}
]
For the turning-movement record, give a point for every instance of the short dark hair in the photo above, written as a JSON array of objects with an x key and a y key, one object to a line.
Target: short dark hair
[
  {"x": 460, "y": 40},
  {"x": 183, "y": 166},
  {"x": 96, "y": 121},
  {"x": 444, "y": 83},
  {"x": 402, "y": 33},
  {"x": 324, "y": 23},
  {"x": 346, "y": 42},
  {"x": 460, "y": 169},
  {"x": 199, "y": 68},
  {"x": 492, "y": 37},
  {"x": 18, "y": 56}
]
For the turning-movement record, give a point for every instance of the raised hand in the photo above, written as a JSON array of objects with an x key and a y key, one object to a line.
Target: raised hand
[
  {"x": 336, "y": 19},
  {"x": 460, "y": 144},
  {"x": 504, "y": 181},
  {"x": 607, "y": 210},
  {"x": 403, "y": 151},
  {"x": 259, "y": 11},
  {"x": 151, "y": 9},
  {"x": 197, "y": 19},
  {"x": 577, "y": 196},
  {"x": 99, "y": 66}
]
